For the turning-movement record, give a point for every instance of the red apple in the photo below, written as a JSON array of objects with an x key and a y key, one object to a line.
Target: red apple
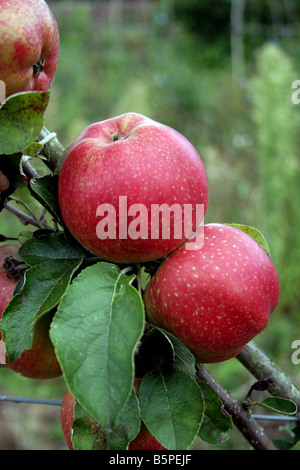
[
  {"x": 7, "y": 284},
  {"x": 40, "y": 361},
  {"x": 67, "y": 417},
  {"x": 143, "y": 441},
  {"x": 217, "y": 298},
  {"x": 116, "y": 175},
  {"x": 29, "y": 50}
]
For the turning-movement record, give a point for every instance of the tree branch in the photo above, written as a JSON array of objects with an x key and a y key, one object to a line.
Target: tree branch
[
  {"x": 26, "y": 219},
  {"x": 248, "y": 427},
  {"x": 53, "y": 150},
  {"x": 29, "y": 170},
  {"x": 262, "y": 367}
]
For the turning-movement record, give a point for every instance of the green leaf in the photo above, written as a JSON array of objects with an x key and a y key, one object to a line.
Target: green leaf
[
  {"x": 89, "y": 435},
  {"x": 44, "y": 285},
  {"x": 154, "y": 351},
  {"x": 279, "y": 405},
  {"x": 184, "y": 359},
  {"x": 172, "y": 407},
  {"x": 296, "y": 446},
  {"x": 161, "y": 348},
  {"x": 216, "y": 422},
  {"x": 21, "y": 120},
  {"x": 283, "y": 444},
  {"x": 45, "y": 245},
  {"x": 255, "y": 234},
  {"x": 45, "y": 189},
  {"x": 103, "y": 314},
  {"x": 24, "y": 236},
  {"x": 33, "y": 150}
]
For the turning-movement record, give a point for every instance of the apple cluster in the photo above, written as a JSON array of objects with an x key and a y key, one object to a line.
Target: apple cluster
[
  {"x": 215, "y": 286},
  {"x": 214, "y": 294}
]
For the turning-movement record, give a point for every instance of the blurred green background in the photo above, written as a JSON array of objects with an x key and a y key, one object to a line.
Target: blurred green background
[{"x": 221, "y": 73}]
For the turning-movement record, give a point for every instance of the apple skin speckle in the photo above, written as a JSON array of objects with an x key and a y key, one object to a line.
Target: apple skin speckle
[{"x": 229, "y": 302}]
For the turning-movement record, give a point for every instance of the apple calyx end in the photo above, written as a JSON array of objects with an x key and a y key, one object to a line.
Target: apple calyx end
[
  {"x": 39, "y": 67},
  {"x": 14, "y": 268}
]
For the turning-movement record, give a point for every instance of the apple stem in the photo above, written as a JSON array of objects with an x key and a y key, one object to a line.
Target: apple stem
[{"x": 115, "y": 137}]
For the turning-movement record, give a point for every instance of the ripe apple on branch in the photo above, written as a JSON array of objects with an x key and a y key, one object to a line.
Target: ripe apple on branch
[
  {"x": 29, "y": 51},
  {"x": 148, "y": 163},
  {"x": 222, "y": 294}
]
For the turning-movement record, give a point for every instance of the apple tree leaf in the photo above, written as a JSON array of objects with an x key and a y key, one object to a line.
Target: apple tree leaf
[
  {"x": 43, "y": 287},
  {"x": 279, "y": 405},
  {"x": 52, "y": 261},
  {"x": 45, "y": 245},
  {"x": 184, "y": 359},
  {"x": 216, "y": 424},
  {"x": 21, "y": 120},
  {"x": 95, "y": 332},
  {"x": 160, "y": 348},
  {"x": 255, "y": 234},
  {"x": 172, "y": 407},
  {"x": 45, "y": 190},
  {"x": 33, "y": 150},
  {"x": 89, "y": 435}
]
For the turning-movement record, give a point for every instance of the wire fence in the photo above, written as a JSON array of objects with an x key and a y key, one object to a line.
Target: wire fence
[{"x": 5, "y": 398}]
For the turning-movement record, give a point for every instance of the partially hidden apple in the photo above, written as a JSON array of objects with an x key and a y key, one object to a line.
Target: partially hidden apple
[
  {"x": 7, "y": 284},
  {"x": 29, "y": 50},
  {"x": 40, "y": 361},
  {"x": 132, "y": 189},
  {"x": 143, "y": 441},
  {"x": 217, "y": 298}
]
